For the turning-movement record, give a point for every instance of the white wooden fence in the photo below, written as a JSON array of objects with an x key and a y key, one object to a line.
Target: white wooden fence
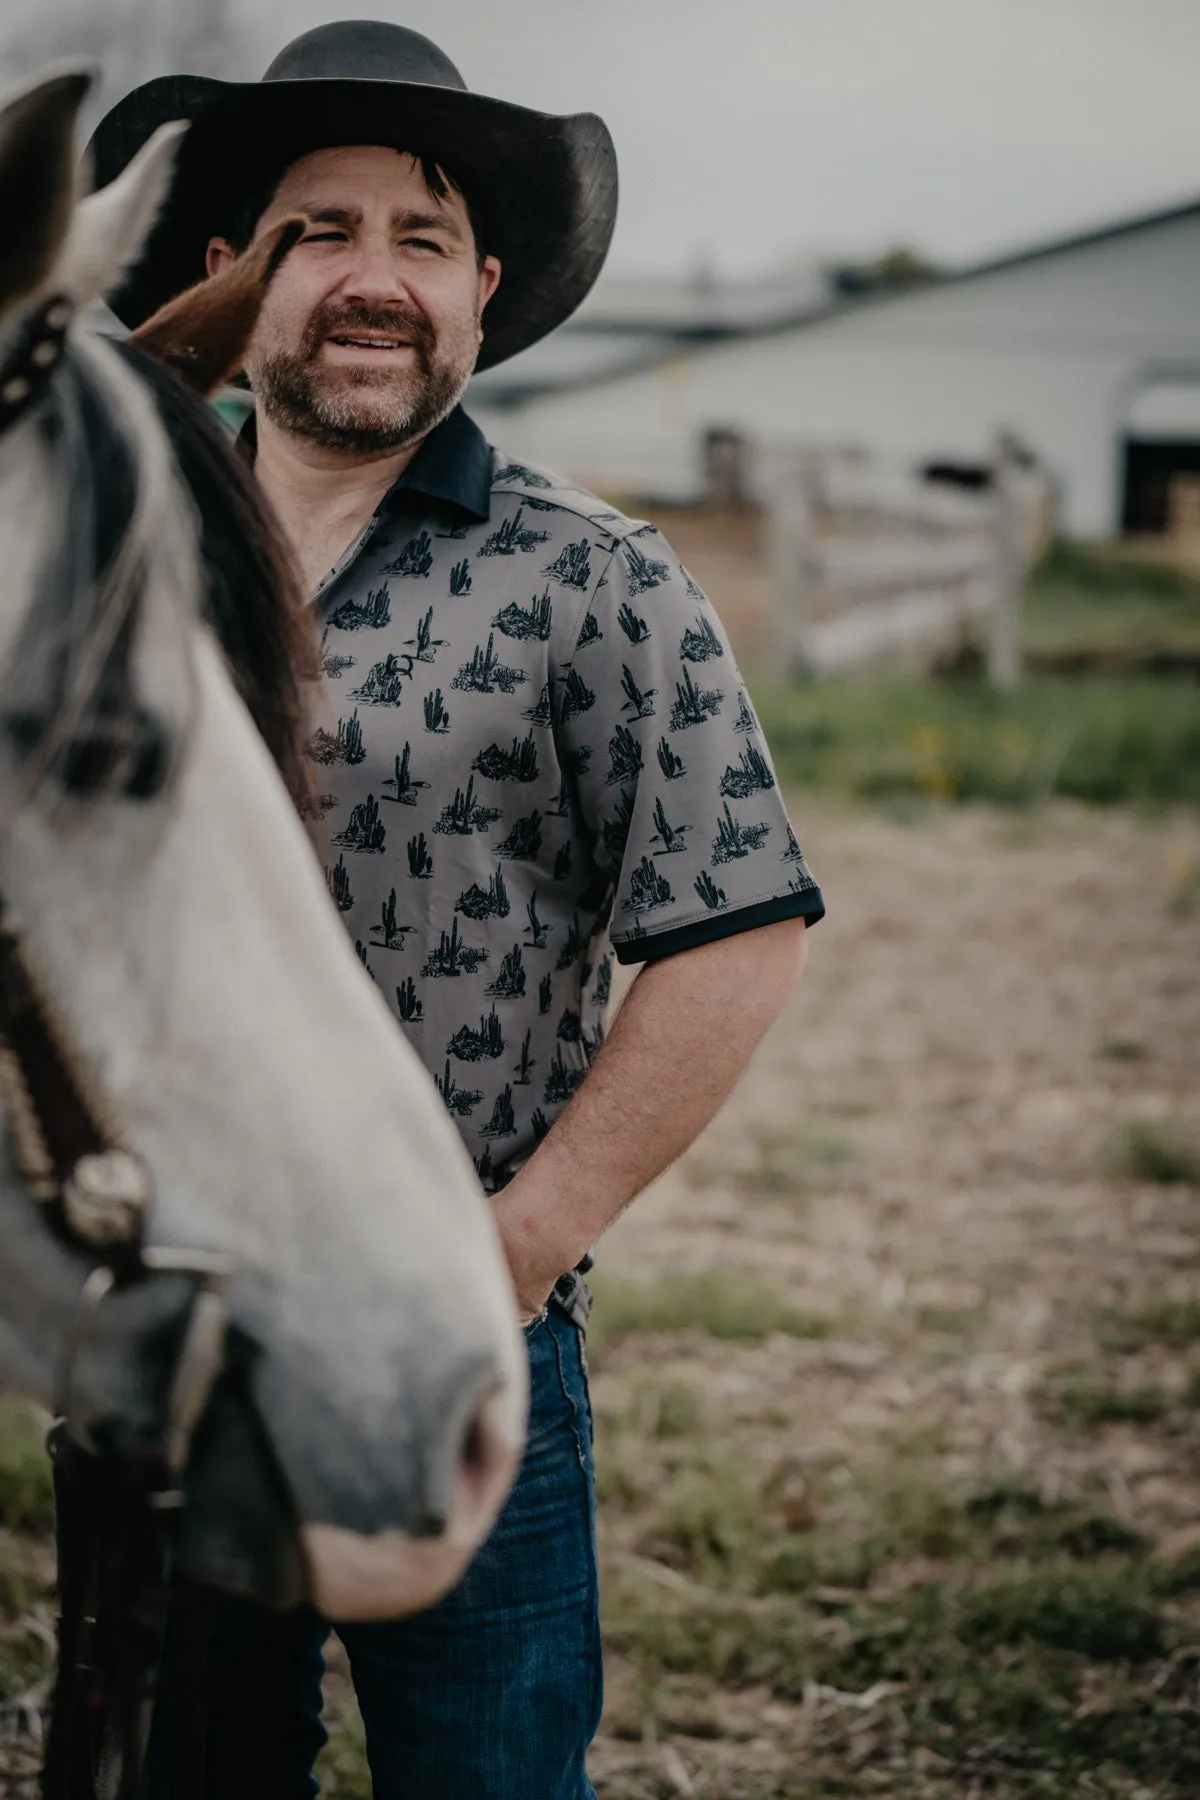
[{"x": 871, "y": 565}]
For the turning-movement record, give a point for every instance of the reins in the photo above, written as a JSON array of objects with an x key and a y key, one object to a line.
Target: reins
[{"x": 118, "y": 1500}]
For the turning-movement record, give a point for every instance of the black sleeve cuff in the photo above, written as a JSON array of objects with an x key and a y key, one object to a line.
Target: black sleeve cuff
[{"x": 649, "y": 948}]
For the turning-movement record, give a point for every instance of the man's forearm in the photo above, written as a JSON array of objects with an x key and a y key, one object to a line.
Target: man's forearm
[{"x": 682, "y": 1037}]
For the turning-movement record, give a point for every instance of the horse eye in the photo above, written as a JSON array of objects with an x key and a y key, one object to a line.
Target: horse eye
[{"x": 134, "y": 758}]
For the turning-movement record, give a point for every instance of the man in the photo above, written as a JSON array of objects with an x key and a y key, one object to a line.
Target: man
[{"x": 539, "y": 751}]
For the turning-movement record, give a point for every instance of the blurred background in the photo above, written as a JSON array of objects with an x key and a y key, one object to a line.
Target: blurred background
[{"x": 897, "y": 1374}]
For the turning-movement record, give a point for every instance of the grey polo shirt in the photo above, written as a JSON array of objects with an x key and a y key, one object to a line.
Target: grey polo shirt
[{"x": 539, "y": 752}]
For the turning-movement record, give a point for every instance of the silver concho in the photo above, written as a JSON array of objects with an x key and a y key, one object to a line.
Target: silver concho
[{"x": 105, "y": 1197}]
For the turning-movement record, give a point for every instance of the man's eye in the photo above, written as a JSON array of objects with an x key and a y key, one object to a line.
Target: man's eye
[
  {"x": 422, "y": 244},
  {"x": 325, "y": 237}
]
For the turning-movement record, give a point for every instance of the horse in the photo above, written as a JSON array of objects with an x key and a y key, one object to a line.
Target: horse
[{"x": 369, "y": 1415}]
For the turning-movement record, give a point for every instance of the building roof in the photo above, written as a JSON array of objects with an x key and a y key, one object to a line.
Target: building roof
[
  {"x": 632, "y": 351},
  {"x": 634, "y": 321}
]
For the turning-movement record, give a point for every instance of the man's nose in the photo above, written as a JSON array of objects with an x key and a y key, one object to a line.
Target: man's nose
[{"x": 374, "y": 273}]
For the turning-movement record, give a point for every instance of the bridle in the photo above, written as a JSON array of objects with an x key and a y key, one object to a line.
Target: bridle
[{"x": 118, "y": 1494}]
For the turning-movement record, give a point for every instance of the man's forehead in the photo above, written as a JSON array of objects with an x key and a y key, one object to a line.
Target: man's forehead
[{"x": 350, "y": 170}]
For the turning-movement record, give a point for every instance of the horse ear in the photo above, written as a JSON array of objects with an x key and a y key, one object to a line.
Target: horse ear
[
  {"x": 110, "y": 226},
  {"x": 38, "y": 178},
  {"x": 204, "y": 332}
]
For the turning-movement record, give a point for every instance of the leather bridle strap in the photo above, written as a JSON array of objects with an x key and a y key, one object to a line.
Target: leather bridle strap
[
  {"x": 65, "y": 1138},
  {"x": 117, "y": 1500}
]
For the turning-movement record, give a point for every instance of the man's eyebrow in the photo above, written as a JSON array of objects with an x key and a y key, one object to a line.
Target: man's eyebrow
[
  {"x": 329, "y": 215},
  {"x": 405, "y": 219}
]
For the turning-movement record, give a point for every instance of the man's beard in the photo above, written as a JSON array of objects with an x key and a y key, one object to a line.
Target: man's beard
[{"x": 325, "y": 404}]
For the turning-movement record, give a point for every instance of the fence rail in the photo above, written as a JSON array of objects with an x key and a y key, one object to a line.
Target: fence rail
[{"x": 869, "y": 563}]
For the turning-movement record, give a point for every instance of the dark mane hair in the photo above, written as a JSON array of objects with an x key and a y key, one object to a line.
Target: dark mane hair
[{"x": 251, "y": 593}]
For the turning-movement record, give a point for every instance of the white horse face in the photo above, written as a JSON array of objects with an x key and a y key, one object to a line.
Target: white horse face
[{"x": 192, "y": 946}]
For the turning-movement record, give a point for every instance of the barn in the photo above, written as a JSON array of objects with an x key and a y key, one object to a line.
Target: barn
[{"x": 1088, "y": 349}]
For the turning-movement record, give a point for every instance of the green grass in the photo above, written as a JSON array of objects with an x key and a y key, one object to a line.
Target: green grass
[
  {"x": 1025, "y": 1636},
  {"x": 1084, "y": 1402},
  {"x": 26, "y": 1500},
  {"x": 1095, "y": 739},
  {"x": 1160, "y": 1151},
  {"x": 1127, "y": 1329},
  {"x": 1109, "y": 710},
  {"x": 1104, "y": 607},
  {"x": 729, "y": 1304}
]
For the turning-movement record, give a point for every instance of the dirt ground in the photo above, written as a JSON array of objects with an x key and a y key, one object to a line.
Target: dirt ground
[
  {"x": 927, "y": 1154},
  {"x": 906, "y": 1501}
]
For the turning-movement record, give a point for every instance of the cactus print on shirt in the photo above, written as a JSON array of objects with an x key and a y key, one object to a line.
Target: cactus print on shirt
[{"x": 538, "y": 751}]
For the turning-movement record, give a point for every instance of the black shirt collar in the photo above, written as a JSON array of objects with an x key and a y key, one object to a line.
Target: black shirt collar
[{"x": 454, "y": 464}]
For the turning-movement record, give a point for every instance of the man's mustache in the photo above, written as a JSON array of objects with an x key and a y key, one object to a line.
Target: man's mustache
[{"x": 412, "y": 326}]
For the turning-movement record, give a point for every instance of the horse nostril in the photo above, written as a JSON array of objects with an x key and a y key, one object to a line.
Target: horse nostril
[
  {"x": 474, "y": 1449},
  {"x": 487, "y": 1459}
]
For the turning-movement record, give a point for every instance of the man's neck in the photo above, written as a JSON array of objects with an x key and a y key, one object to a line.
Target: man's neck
[{"x": 322, "y": 497}]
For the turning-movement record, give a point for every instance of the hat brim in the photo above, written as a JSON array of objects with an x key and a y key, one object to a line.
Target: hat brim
[{"x": 547, "y": 185}]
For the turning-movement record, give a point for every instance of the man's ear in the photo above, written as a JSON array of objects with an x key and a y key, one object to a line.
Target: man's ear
[
  {"x": 489, "y": 279},
  {"x": 218, "y": 256}
]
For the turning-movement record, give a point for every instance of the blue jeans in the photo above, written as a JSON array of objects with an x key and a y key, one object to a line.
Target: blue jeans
[{"x": 493, "y": 1694}]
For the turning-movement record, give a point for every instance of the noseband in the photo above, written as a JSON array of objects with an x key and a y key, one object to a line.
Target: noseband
[{"x": 118, "y": 1503}]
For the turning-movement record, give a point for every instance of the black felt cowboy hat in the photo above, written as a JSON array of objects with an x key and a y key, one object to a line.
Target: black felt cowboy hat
[{"x": 546, "y": 185}]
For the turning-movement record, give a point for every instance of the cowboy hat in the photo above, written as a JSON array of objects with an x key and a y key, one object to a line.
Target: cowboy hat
[{"x": 546, "y": 184}]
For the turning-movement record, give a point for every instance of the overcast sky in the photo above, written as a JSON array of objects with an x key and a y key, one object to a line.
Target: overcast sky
[{"x": 752, "y": 130}]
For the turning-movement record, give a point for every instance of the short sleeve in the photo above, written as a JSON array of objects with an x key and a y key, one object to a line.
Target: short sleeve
[{"x": 673, "y": 776}]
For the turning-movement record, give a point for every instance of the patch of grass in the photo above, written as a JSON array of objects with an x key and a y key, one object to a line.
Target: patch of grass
[
  {"x": 1129, "y": 1329},
  {"x": 1097, "y": 739},
  {"x": 1091, "y": 608},
  {"x": 1178, "y": 1574},
  {"x": 1115, "y": 573},
  {"x": 1155, "y": 1150},
  {"x": 994, "y": 1672},
  {"x": 342, "y": 1768},
  {"x": 26, "y": 1499},
  {"x": 1027, "y": 1636},
  {"x": 730, "y": 1304},
  {"x": 1105, "y": 1614},
  {"x": 26, "y": 1611},
  {"x": 705, "y": 1519},
  {"x": 1080, "y": 1404}
]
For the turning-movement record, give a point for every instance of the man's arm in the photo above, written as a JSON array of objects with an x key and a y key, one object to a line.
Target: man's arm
[{"x": 681, "y": 1039}]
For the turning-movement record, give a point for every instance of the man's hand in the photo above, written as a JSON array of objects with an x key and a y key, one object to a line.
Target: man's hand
[
  {"x": 536, "y": 1254},
  {"x": 660, "y": 1076}
]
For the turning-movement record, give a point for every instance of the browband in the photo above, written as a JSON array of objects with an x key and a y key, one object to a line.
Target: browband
[{"x": 33, "y": 357}]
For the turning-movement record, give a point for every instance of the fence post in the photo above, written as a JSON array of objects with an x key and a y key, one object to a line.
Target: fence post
[
  {"x": 788, "y": 523},
  {"x": 1004, "y": 621}
]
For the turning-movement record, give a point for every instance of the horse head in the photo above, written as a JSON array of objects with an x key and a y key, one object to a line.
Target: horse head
[{"x": 369, "y": 1416}]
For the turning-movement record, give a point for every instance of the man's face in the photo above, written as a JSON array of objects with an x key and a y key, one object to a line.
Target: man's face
[{"x": 371, "y": 328}]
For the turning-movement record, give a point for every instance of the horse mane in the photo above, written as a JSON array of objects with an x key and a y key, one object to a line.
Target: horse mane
[{"x": 250, "y": 592}]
